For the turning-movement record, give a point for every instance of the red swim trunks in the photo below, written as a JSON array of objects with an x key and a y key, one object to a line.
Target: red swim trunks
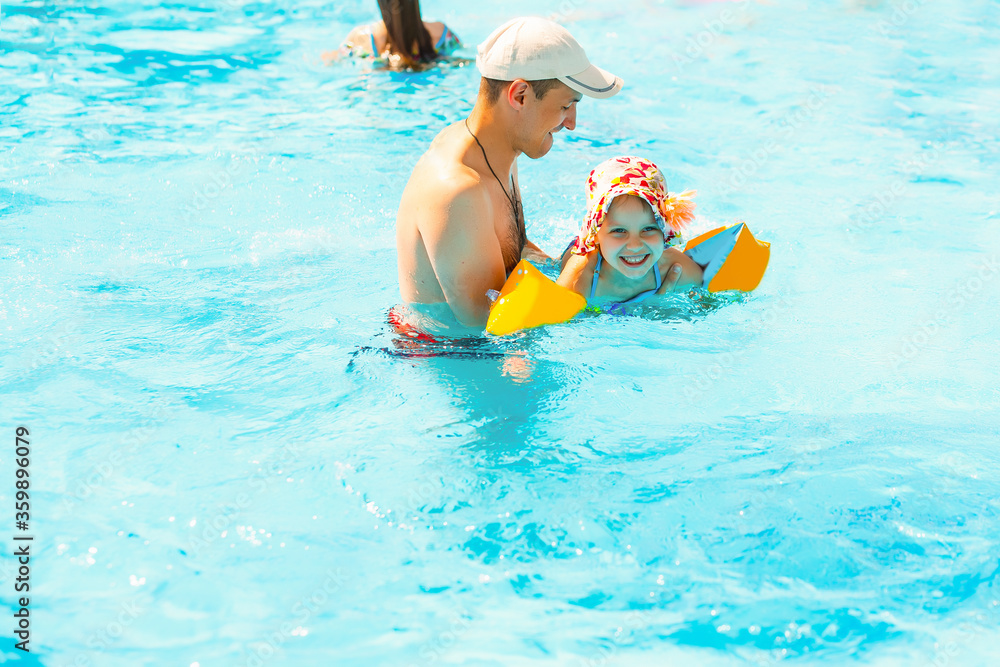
[{"x": 403, "y": 328}]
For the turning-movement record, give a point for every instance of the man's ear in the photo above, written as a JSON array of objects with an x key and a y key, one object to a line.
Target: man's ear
[{"x": 517, "y": 92}]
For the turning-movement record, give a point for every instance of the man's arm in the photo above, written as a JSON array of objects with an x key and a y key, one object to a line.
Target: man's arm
[
  {"x": 534, "y": 253},
  {"x": 464, "y": 251}
]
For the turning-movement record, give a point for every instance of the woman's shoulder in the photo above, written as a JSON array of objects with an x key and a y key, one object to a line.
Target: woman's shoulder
[
  {"x": 360, "y": 39},
  {"x": 435, "y": 28},
  {"x": 444, "y": 38}
]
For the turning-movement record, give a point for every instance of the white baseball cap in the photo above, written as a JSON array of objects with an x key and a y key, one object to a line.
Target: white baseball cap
[{"x": 533, "y": 48}]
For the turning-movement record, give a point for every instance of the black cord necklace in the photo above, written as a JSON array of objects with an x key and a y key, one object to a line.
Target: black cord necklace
[{"x": 515, "y": 202}]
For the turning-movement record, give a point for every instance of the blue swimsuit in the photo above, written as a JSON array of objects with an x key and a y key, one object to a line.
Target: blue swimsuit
[{"x": 638, "y": 297}]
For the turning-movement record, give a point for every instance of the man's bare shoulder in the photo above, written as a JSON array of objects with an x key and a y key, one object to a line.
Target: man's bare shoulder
[{"x": 441, "y": 179}]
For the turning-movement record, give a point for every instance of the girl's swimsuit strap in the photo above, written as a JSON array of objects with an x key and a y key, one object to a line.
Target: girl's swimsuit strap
[{"x": 597, "y": 271}]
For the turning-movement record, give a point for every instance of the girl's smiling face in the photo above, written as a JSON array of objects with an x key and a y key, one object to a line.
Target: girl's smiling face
[{"x": 630, "y": 240}]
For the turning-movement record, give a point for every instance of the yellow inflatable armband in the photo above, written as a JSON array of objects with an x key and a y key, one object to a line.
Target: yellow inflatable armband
[
  {"x": 530, "y": 299},
  {"x": 732, "y": 257}
]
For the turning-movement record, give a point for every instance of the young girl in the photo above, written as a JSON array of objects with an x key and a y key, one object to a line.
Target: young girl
[
  {"x": 401, "y": 38},
  {"x": 623, "y": 251}
]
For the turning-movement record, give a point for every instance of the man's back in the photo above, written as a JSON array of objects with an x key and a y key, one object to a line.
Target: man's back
[{"x": 454, "y": 228}]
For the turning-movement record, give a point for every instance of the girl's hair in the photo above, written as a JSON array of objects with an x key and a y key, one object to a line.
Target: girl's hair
[{"x": 408, "y": 40}]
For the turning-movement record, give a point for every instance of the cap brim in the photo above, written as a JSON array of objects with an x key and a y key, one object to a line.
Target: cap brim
[{"x": 594, "y": 82}]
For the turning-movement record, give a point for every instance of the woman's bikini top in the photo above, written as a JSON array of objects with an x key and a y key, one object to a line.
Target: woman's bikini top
[
  {"x": 446, "y": 44},
  {"x": 638, "y": 297}
]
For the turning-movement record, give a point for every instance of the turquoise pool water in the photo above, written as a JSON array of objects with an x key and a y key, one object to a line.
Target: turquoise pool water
[{"x": 233, "y": 464}]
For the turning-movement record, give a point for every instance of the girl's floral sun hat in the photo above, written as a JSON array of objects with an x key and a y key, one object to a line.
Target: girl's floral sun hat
[{"x": 637, "y": 176}]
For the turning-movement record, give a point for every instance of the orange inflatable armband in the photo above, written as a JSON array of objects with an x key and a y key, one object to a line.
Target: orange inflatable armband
[
  {"x": 732, "y": 257},
  {"x": 530, "y": 299}
]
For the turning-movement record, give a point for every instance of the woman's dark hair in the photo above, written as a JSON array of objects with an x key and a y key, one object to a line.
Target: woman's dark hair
[{"x": 409, "y": 42}]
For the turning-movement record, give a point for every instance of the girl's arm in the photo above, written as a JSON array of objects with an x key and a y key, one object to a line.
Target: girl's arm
[
  {"x": 578, "y": 273},
  {"x": 691, "y": 273}
]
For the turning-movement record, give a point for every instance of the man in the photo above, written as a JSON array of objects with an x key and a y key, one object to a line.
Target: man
[{"x": 460, "y": 227}]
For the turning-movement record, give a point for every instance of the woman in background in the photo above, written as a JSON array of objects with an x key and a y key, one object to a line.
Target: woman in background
[{"x": 402, "y": 39}]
